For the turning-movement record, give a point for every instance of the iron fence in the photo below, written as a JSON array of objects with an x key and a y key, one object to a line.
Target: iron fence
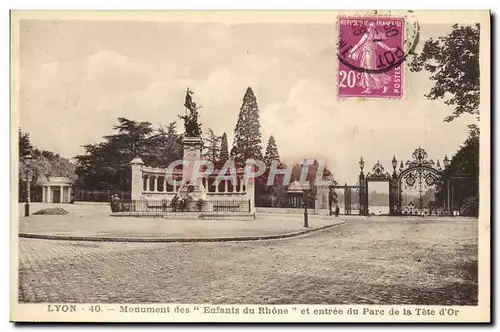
[
  {"x": 160, "y": 207},
  {"x": 286, "y": 202},
  {"x": 85, "y": 195}
]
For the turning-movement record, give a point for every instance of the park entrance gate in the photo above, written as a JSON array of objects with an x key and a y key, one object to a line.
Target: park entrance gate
[
  {"x": 350, "y": 193},
  {"x": 418, "y": 174}
]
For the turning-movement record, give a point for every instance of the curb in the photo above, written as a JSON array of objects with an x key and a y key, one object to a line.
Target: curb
[{"x": 173, "y": 240}]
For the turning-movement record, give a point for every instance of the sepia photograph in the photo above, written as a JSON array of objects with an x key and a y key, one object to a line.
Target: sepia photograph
[{"x": 250, "y": 166}]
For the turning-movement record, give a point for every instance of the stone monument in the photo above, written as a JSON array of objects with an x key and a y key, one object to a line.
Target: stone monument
[{"x": 193, "y": 194}]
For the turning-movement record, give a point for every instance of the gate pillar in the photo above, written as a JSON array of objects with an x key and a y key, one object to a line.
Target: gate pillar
[
  {"x": 391, "y": 198},
  {"x": 347, "y": 200},
  {"x": 394, "y": 197},
  {"x": 362, "y": 194}
]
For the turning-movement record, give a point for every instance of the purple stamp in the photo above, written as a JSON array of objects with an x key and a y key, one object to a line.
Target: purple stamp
[{"x": 371, "y": 57}]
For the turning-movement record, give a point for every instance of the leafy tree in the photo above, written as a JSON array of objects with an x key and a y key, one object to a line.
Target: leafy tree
[
  {"x": 378, "y": 199},
  {"x": 453, "y": 62},
  {"x": 164, "y": 146},
  {"x": 59, "y": 166},
  {"x": 106, "y": 165},
  {"x": 463, "y": 173},
  {"x": 224, "y": 150},
  {"x": 247, "y": 136},
  {"x": 470, "y": 207},
  {"x": 212, "y": 146},
  {"x": 25, "y": 146},
  {"x": 42, "y": 165},
  {"x": 271, "y": 151},
  {"x": 131, "y": 135}
]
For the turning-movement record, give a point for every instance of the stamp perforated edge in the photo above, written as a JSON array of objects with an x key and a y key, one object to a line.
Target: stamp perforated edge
[{"x": 411, "y": 32}]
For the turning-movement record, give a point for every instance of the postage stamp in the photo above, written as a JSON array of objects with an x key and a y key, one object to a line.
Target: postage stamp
[{"x": 371, "y": 57}]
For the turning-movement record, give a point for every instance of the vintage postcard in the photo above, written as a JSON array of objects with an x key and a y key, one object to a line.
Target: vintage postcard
[{"x": 305, "y": 166}]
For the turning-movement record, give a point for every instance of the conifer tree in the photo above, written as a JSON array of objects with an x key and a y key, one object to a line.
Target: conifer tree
[
  {"x": 211, "y": 146},
  {"x": 247, "y": 137},
  {"x": 271, "y": 152},
  {"x": 224, "y": 150}
]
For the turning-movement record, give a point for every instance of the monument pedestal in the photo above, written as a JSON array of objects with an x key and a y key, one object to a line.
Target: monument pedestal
[
  {"x": 192, "y": 154},
  {"x": 193, "y": 191}
]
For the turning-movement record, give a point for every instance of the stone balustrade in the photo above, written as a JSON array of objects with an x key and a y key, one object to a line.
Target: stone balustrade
[{"x": 152, "y": 183}]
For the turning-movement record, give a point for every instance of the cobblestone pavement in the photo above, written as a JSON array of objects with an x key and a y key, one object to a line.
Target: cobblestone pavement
[{"x": 383, "y": 261}]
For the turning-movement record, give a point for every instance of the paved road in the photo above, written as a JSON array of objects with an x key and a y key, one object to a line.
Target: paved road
[{"x": 378, "y": 261}]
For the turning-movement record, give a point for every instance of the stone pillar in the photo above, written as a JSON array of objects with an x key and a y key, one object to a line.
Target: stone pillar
[
  {"x": 137, "y": 179},
  {"x": 226, "y": 187},
  {"x": 69, "y": 194},
  {"x": 321, "y": 198},
  {"x": 165, "y": 184},
  {"x": 155, "y": 185},
  {"x": 250, "y": 185},
  {"x": 61, "y": 190},
  {"x": 43, "y": 194},
  {"x": 216, "y": 182}
]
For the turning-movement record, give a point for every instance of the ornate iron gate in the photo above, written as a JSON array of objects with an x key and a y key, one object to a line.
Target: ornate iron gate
[
  {"x": 418, "y": 173},
  {"x": 348, "y": 196}
]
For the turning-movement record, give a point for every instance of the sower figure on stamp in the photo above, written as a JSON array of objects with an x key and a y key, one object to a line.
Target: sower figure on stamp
[{"x": 365, "y": 52}]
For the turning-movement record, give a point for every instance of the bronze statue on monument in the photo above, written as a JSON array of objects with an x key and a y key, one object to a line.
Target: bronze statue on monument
[
  {"x": 191, "y": 195},
  {"x": 191, "y": 126}
]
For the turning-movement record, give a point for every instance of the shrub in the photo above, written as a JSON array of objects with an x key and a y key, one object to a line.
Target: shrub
[
  {"x": 470, "y": 207},
  {"x": 184, "y": 203},
  {"x": 175, "y": 203},
  {"x": 199, "y": 204}
]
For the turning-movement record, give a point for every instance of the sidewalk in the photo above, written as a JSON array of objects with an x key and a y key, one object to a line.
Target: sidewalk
[{"x": 82, "y": 224}]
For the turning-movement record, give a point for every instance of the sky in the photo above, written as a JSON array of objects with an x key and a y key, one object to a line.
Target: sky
[{"x": 77, "y": 77}]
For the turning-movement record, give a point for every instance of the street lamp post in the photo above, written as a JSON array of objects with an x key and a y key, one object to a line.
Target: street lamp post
[
  {"x": 394, "y": 163},
  {"x": 446, "y": 161},
  {"x": 28, "y": 185},
  {"x": 361, "y": 164},
  {"x": 362, "y": 193},
  {"x": 393, "y": 188}
]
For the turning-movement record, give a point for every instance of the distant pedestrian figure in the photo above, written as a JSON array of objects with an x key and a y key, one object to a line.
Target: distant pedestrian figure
[
  {"x": 115, "y": 203},
  {"x": 337, "y": 211}
]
